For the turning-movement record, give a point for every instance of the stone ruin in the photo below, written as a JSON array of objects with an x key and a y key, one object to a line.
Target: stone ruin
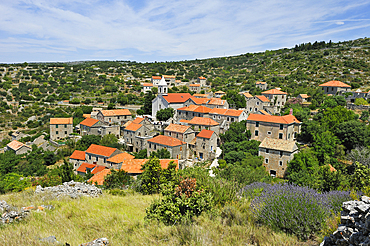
[{"x": 355, "y": 225}]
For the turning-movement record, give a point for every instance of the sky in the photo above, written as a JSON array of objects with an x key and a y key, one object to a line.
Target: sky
[{"x": 170, "y": 30}]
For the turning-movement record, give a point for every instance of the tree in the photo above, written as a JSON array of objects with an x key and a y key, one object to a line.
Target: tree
[
  {"x": 147, "y": 107},
  {"x": 361, "y": 101},
  {"x": 111, "y": 106},
  {"x": 109, "y": 140},
  {"x": 353, "y": 133},
  {"x": 117, "y": 179},
  {"x": 237, "y": 132},
  {"x": 66, "y": 172},
  {"x": 85, "y": 142},
  {"x": 365, "y": 115},
  {"x": 49, "y": 158},
  {"x": 234, "y": 99},
  {"x": 325, "y": 145},
  {"x": 361, "y": 155},
  {"x": 165, "y": 114},
  {"x": 161, "y": 154},
  {"x": 142, "y": 154}
]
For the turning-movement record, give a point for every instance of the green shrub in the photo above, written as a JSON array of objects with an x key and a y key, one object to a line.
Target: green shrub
[
  {"x": 13, "y": 182},
  {"x": 117, "y": 192},
  {"x": 48, "y": 180}
]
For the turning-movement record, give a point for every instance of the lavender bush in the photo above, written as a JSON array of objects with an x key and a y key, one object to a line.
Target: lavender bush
[{"x": 293, "y": 209}]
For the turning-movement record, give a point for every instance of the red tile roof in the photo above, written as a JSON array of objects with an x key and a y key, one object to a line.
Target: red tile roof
[
  {"x": 148, "y": 84},
  {"x": 83, "y": 167},
  {"x": 61, "y": 121},
  {"x": 184, "y": 121},
  {"x": 205, "y": 134},
  {"x": 116, "y": 112},
  {"x": 228, "y": 112},
  {"x": 201, "y": 78},
  {"x": 120, "y": 157},
  {"x": 99, "y": 177},
  {"x": 286, "y": 119},
  {"x": 200, "y": 95},
  {"x": 194, "y": 85},
  {"x": 196, "y": 108},
  {"x": 97, "y": 169},
  {"x": 200, "y": 101},
  {"x": 157, "y": 77},
  {"x": 304, "y": 95},
  {"x": 177, "y": 97},
  {"x": 89, "y": 122},
  {"x": 263, "y": 98},
  {"x": 203, "y": 121},
  {"x": 78, "y": 155},
  {"x": 100, "y": 150},
  {"x": 86, "y": 115},
  {"x": 220, "y": 111},
  {"x": 335, "y": 83},
  {"x": 260, "y": 82},
  {"x": 133, "y": 127},
  {"x": 134, "y": 166},
  {"x": 247, "y": 94},
  {"x": 138, "y": 120},
  {"x": 166, "y": 141},
  {"x": 169, "y": 76},
  {"x": 15, "y": 145},
  {"x": 177, "y": 128},
  {"x": 275, "y": 92},
  {"x": 217, "y": 101}
]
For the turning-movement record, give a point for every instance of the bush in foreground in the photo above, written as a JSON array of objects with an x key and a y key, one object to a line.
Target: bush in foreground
[{"x": 293, "y": 209}]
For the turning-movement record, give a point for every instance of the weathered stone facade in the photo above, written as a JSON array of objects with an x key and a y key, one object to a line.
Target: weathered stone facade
[{"x": 60, "y": 128}]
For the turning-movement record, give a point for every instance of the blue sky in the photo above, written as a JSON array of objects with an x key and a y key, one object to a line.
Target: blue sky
[{"x": 171, "y": 30}]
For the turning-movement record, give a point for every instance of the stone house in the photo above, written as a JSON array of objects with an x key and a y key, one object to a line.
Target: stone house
[
  {"x": 99, "y": 155},
  {"x": 18, "y": 135},
  {"x": 170, "y": 100},
  {"x": 261, "y": 85},
  {"x": 91, "y": 126},
  {"x": 207, "y": 102},
  {"x": 356, "y": 94},
  {"x": 278, "y": 127},
  {"x": 77, "y": 158},
  {"x": 170, "y": 79},
  {"x": 277, "y": 98},
  {"x": 181, "y": 132},
  {"x": 60, "y": 128},
  {"x": 227, "y": 116},
  {"x": 219, "y": 94},
  {"x": 303, "y": 97},
  {"x": 176, "y": 147},
  {"x": 200, "y": 123},
  {"x": 147, "y": 87},
  {"x": 17, "y": 147},
  {"x": 84, "y": 168},
  {"x": 257, "y": 103},
  {"x": 247, "y": 96},
  {"x": 205, "y": 145},
  {"x": 202, "y": 81},
  {"x": 276, "y": 154},
  {"x": 333, "y": 87},
  {"x": 195, "y": 87},
  {"x": 117, "y": 160},
  {"x": 136, "y": 136},
  {"x": 155, "y": 80},
  {"x": 191, "y": 111},
  {"x": 114, "y": 116}
]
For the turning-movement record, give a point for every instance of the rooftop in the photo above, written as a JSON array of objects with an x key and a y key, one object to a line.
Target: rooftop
[
  {"x": 217, "y": 101},
  {"x": 247, "y": 94},
  {"x": 286, "y": 119},
  {"x": 279, "y": 144},
  {"x": 94, "y": 168},
  {"x": 100, "y": 150},
  {"x": 200, "y": 95},
  {"x": 227, "y": 112},
  {"x": 121, "y": 157},
  {"x": 138, "y": 120},
  {"x": 133, "y": 127},
  {"x": 15, "y": 145},
  {"x": 78, "y": 155},
  {"x": 203, "y": 121},
  {"x": 134, "y": 166},
  {"x": 61, "y": 121},
  {"x": 260, "y": 82},
  {"x": 263, "y": 98},
  {"x": 166, "y": 141},
  {"x": 195, "y": 108},
  {"x": 335, "y": 83},
  {"x": 201, "y": 78},
  {"x": 205, "y": 134},
  {"x": 177, "y": 97},
  {"x": 220, "y": 92},
  {"x": 194, "y": 85},
  {"x": 99, "y": 177},
  {"x": 304, "y": 95},
  {"x": 148, "y": 84},
  {"x": 89, "y": 122},
  {"x": 156, "y": 77},
  {"x": 116, "y": 112},
  {"x": 177, "y": 128},
  {"x": 275, "y": 92}
]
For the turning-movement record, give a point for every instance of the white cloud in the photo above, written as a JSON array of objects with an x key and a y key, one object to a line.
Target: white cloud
[{"x": 169, "y": 29}]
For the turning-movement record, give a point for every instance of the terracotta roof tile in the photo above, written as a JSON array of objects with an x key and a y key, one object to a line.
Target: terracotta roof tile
[
  {"x": 15, "y": 145},
  {"x": 134, "y": 166},
  {"x": 116, "y": 112},
  {"x": 201, "y": 78},
  {"x": 177, "y": 128},
  {"x": 217, "y": 101},
  {"x": 133, "y": 127},
  {"x": 205, "y": 134},
  {"x": 227, "y": 112},
  {"x": 286, "y": 119},
  {"x": 304, "y": 95},
  {"x": 184, "y": 121},
  {"x": 83, "y": 166},
  {"x": 196, "y": 108},
  {"x": 200, "y": 101},
  {"x": 99, "y": 177},
  {"x": 78, "y": 155},
  {"x": 61, "y": 121},
  {"x": 166, "y": 141},
  {"x": 260, "y": 82},
  {"x": 157, "y": 77},
  {"x": 97, "y": 169},
  {"x": 220, "y": 111},
  {"x": 274, "y": 92},
  {"x": 200, "y": 95},
  {"x": 89, "y": 122},
  {"x": 169, "y": 76},
  {"x": 247, "y": 94},
  {"x": 138, "y": 120},
  {"x": 86, "y": 116},
  {"x": 335, "y": 83},
  {"x": 263, "y": 98},
  {"x": 194, "y": 85},
  {"x": 203, "y": 121},
  {"x": 127, "y": 124},
  {"x": 177, "y": 97},
  {"x": 100, "y": 150},
  {"x": 148, "y": 84},
  {"x": 120, "y": 157},
  {"x": 220, "y": 92}
]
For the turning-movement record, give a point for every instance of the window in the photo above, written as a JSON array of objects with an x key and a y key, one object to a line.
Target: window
[
  {"x": 258, "y": 103},
  {"x": 97, "y": 158},
  {"x": 250, "y": 109},
  {"x": 56, "y": 132},
  {"x": 204, "y": 146},
  {"x": 281, "y": 126},
  {"x": 256, "y": 133},
  {"x": 181, "y": 148},
  {"x": 65, "y": 132},
  {"x": 65, "y": 126},
  {"x": 255, "y": 109},
  {"x": 281, "y": 153},
  {"x": 266, "y": 160},
  {"x": 89, "y": 157},
  {"x": 105, "y": 160},
  {"x": 56, "y": 126},
  {"x": 257, "y": 124},
  {"x": 155, "y": 147},
  {"x": 280, "y": 163},
  {"x": 289, "y": 136},
  {"x": 280, "y": 136},
  {"x": 268, "y": 133},
  {"x": 267, "y": 151}
]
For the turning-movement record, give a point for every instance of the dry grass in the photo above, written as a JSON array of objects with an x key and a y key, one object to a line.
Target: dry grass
[{"x": 121, "y": 220}]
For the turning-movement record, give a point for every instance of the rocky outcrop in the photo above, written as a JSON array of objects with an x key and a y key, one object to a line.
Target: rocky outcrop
[
  {"x": 71, "y": 189},
  {"x": 97, "y": 242},
  {"x": 355, "y": 225}
]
